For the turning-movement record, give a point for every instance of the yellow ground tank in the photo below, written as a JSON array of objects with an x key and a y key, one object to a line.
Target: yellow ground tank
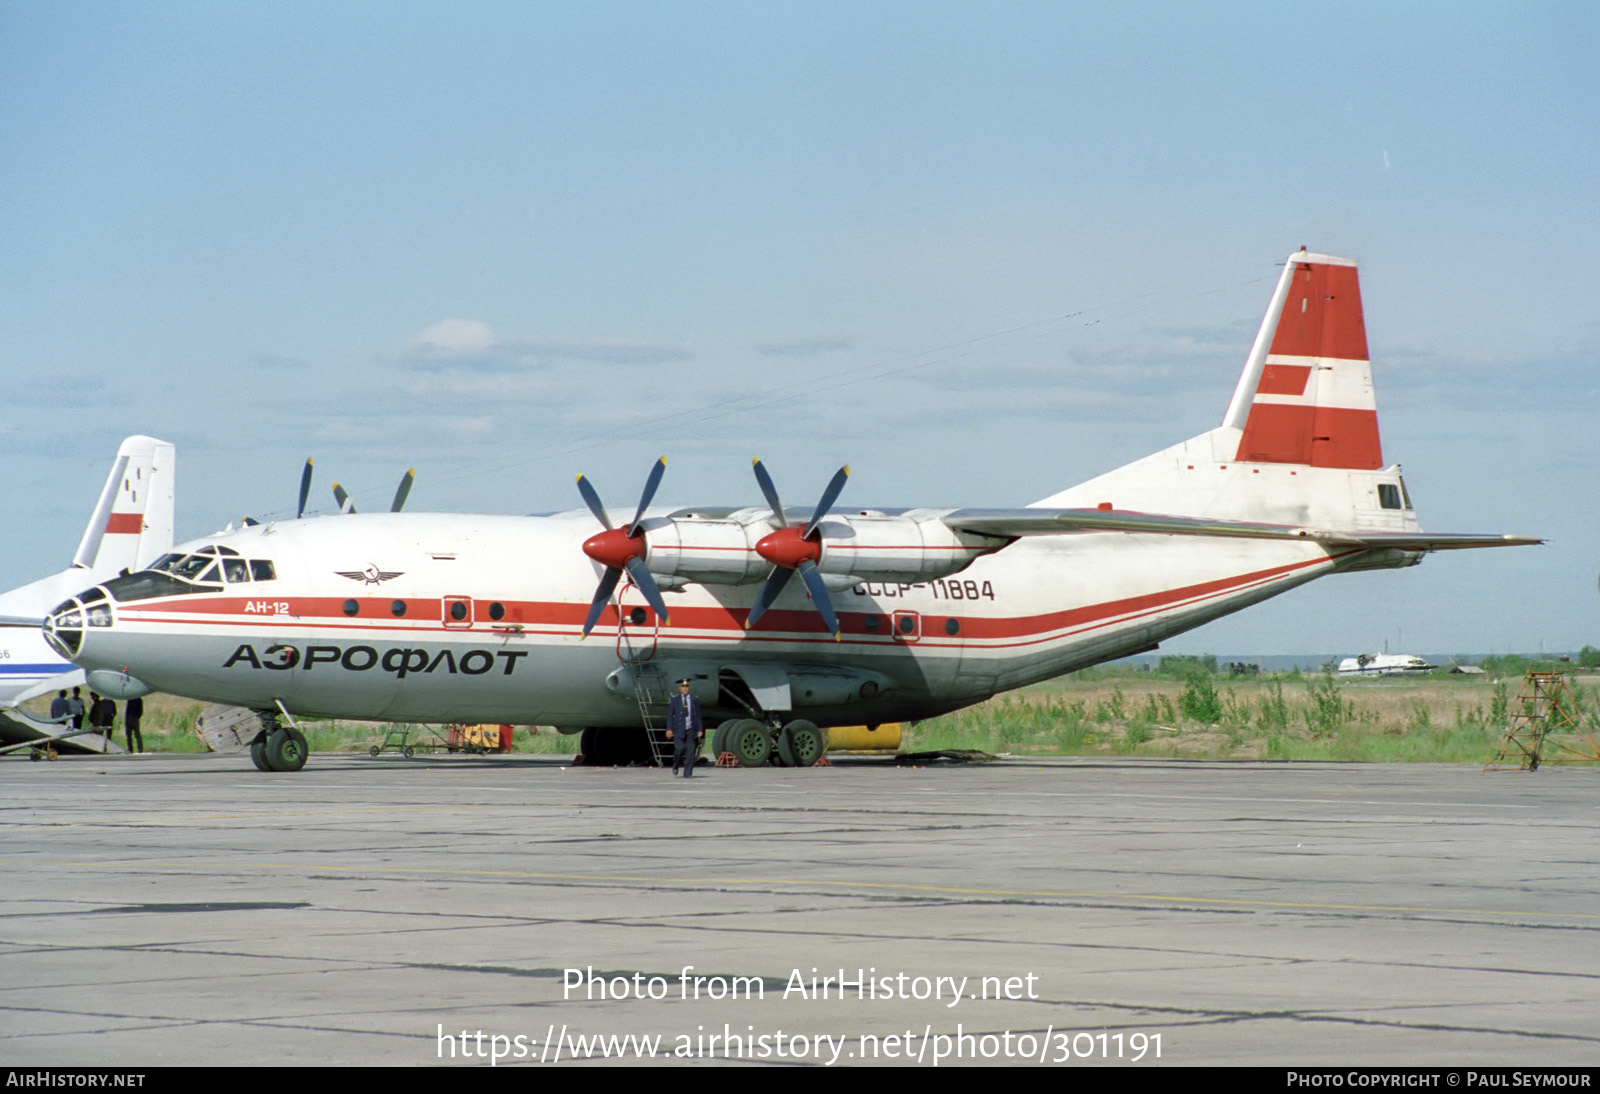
[
  {"x": 485, "y": 737},
  {"x": 884, "y": 738}
]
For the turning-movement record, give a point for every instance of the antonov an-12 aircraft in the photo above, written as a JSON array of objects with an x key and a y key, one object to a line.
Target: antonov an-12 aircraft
[{"x": 576, "y": 621}]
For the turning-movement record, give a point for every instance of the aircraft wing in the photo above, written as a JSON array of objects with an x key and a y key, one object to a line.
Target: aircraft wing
[{"x": 1015, "y": 523}]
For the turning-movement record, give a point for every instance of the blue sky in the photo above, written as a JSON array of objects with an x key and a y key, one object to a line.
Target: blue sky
[{"x": 977, "y": 251}]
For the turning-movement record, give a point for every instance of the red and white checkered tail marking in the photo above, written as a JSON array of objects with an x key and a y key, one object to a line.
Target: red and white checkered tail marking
[{"x": 1306, "y": 394}]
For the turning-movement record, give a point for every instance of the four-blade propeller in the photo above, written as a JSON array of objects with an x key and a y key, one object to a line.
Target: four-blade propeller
[
  {"x": 619, "y": 549},
  {"x": 795, "y": 550},
  {"x": 342, "y": 496}
]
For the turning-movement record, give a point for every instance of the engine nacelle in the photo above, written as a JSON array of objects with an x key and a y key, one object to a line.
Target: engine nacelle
[
  {"x": 862, "y": 546},
  {"x": 910, "y": 548},
  {"x": 712, "y": 551}
]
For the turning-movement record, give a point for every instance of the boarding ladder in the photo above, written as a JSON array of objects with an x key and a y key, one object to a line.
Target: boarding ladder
[{"x": 651, "y": 689}]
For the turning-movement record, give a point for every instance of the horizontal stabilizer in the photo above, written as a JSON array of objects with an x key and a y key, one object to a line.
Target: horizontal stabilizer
[
  {"x": 1423, "y": 541},
  {"x": 1015, "y": 523}
]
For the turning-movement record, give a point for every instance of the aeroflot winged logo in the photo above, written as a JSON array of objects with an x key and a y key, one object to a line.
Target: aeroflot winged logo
[{"x": 371, "y": 575}]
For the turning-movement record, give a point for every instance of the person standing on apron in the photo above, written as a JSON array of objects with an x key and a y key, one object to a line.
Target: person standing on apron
[{"x": 684, "y": 729}]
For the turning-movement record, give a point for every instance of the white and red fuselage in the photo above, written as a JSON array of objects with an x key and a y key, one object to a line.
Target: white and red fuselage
[{"x": 443, "y": 618}]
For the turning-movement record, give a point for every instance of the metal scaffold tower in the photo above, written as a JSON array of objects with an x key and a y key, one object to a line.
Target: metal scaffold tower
[{"x": 1544, "y": 707}]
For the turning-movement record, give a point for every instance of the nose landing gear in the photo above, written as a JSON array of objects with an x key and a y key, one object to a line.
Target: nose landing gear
[{"x": 278, "y": 748}]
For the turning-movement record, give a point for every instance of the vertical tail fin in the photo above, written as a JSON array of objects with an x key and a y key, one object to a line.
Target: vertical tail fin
[
  {"x": 132, "y": 524},
  {"x": 1306, "y": 395}
]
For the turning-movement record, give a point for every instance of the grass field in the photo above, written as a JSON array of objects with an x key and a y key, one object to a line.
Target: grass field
[{"x": 1437, "y": 718}]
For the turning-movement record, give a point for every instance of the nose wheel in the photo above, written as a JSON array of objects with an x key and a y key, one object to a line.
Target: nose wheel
[{"x": 279, "y": 748}]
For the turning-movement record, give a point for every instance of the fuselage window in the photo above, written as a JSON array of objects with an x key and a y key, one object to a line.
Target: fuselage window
[
  {"x": 262, "y": 570},
  {"x": 1388, "y": 495}
]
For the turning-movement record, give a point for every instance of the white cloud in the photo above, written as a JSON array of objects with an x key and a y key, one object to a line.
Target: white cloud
[{"x": 452, "y": 338}]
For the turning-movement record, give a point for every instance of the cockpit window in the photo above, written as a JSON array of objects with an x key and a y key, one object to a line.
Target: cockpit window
[
  {"x": 1405, "y": 495},
  {"x": 210, "y": 564},
  {"x": 187, "y": 567},
  {"x": 1388, "y": 495},
  {"x": 148, "y": 584}
]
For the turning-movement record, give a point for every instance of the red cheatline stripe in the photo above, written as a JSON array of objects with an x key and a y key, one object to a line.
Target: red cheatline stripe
[
  {"x": 125, "y": 524},
  {"x": 323, "y": 613},
  {"x": 1322, "y": 315}
]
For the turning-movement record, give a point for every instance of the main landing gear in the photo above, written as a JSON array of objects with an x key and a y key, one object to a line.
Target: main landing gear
[
  {"x": 751, "y": 742},
  {"x": 278, "y": 748},
  {"x": 795, "y": 744}
]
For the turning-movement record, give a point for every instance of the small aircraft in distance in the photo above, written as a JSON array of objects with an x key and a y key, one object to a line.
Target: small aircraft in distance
[
  {"x": 129, "y": 528},
  {"x": 1384, "y": 664},
  {"x": 899, "y": 614}
]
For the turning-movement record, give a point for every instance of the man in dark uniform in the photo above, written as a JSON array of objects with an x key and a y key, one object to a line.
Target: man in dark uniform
[
  {"x": 102, "y": 714},
  {"x": 684, "y": 729},
  {"x": 132, "y": 714}
]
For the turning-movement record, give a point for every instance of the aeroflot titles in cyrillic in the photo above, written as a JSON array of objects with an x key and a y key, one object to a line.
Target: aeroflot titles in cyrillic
[{"x": 399, "y": 660}]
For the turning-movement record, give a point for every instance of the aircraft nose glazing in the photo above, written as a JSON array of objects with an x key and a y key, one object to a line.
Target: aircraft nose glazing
[{"x": 64, "y": 627}]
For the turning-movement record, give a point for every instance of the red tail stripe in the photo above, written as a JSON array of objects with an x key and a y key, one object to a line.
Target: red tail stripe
[
  {"x": 1322, "y": 315},
  {"x": 125, "y": 524},
  {"x": 1317, "y": 436}
]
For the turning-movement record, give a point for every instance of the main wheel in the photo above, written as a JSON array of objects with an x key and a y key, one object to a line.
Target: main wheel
[
  {"x": 749, "y": 740},
  {"x": 801, "y": 743},
  {"x": 258, "y": 752},
  {"x": 287, "y": 749},
  {"x": 719, "y": 739}
]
